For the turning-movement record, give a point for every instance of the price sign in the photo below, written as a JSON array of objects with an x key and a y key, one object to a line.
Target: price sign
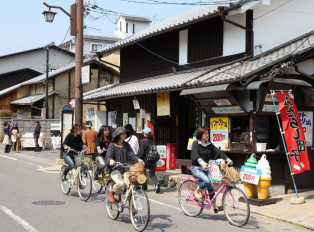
[{"x": 250, "y": 175}]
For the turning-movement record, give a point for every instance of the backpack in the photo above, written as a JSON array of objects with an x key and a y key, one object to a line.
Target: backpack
[{"x": 152, "y": 155}]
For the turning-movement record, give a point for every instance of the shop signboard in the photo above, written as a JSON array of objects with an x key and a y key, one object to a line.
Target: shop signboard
[
  {"x": 227, "y": 110},
  {"x": 163, "y": 104},
  {"x": 171, "y": 155},
  {"x": 219, "y": 133},
  {"x": 86, "y": 74},
  {"x": 250, "y": 175},
  {"x": 306, "y": 118},
  {"x": 268, "y": 108},
  {"x": 222, "y": 102},
  {"x": 161, "y": 164}
]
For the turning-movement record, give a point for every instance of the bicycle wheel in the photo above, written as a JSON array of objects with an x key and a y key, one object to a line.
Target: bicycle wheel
[
  {"x": 96, "y": 186},
  {"x": 186, "y": 198},
  {"x": 139, "y": 209},
  {"x": 236, "y": 206},
  {"x": 65, "y": 185},
  {"x": 112, "y": 208},
  {"x": 84, "y": 187}
]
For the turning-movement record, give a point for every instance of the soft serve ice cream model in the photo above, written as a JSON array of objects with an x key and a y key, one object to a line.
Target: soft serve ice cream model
[{"x": 265, "y": 179}]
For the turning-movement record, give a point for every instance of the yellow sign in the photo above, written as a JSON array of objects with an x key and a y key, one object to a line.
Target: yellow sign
[
  {"x": 163, "y": 104},
  {"x": 219, "y": 123}
]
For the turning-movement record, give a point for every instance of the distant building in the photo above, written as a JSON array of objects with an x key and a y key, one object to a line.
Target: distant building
[{"x": 129, "y": 25}]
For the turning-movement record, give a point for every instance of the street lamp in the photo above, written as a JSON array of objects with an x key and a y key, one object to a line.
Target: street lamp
[
  {"x": 76, "y": 21},
  {"x": 49, "y": 15}
]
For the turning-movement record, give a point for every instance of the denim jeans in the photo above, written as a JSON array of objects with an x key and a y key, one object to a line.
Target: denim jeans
[
  {"x": 71, "y": 160},
  {"x": 205, "y": 177},
  {"x": 36, "y": 144}
]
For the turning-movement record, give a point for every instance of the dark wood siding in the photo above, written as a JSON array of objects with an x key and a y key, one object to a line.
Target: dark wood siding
[
  {"x": 12, "y": 78},
  {"x": 136, "y": 60},
  {"x": 205, "y": 40}
]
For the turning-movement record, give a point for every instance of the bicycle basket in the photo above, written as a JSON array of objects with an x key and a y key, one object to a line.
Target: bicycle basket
[
  {"x": 137, "y": 174},
  {"x": 230, "y": 174}
]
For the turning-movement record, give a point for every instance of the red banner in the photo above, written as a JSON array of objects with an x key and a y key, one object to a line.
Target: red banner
[{"x": 293, "y": 133}]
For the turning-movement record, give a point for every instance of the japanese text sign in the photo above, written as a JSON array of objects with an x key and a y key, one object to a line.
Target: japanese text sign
[
  {"x": 250, "y": 175},
  {"x": 293, "y": 133},
  {"x": 306, "y": 118},
  {"x": 219, "y": 123},
  {"x": 219, "y": 134}
]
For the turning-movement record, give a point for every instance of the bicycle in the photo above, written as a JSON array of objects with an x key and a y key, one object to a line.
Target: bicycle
[
  {"x": 79, "y": 176},
  {"x": 234, "y": 201},
  {"x": 136, "y": 197},
  {"x": 103, "y": 176}
]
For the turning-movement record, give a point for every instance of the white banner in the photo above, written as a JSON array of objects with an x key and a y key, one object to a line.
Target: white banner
[{"x": 306, "y": 118}]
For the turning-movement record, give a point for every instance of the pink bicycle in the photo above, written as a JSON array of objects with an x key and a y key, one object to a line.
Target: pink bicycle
[{"x": 234, "y": 201}]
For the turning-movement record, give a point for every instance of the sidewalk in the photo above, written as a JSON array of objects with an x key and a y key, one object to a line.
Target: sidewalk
[{"x": 302, "y": 215}]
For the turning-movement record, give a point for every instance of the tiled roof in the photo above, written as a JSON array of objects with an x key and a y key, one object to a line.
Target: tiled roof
[
  {"x": 29, "y": 100},
  {"x": 248, "y": 68},
  {"x": 180, "y": 20},
  {"x": 52, "y": 74},
  {"x": 167, "y": 82}
]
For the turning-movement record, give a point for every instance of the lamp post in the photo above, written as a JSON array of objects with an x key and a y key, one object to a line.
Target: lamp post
[{"x": 76, "y": 18}]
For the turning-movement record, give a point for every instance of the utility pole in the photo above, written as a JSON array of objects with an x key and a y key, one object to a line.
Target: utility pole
[
  {"x": 47, "y": 80},
  {"x": 78, "y": 61}
]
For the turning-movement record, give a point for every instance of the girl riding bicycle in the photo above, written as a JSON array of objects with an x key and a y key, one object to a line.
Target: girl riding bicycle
[
  {"x": 119, "y": 151},
  {"x": 203, "y": 151},
  {"x": 74, "y": 141},
  {"x": 103, "y": 140}
]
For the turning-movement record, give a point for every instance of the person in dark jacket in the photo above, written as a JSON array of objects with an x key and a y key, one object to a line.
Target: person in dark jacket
[
  {"x": 119, "y": 151},
  {"x": 203, "y": 151},
  {"x": 142, "y": 154},
  {"x": 74, "y": 141},
  {"x": 36, "y": 136},
  {"x": 6, "y": 140},
  {"x": 102, "y": 143}
]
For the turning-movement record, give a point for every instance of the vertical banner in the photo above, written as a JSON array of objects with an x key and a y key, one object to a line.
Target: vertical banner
[
  {"x": 219, "y": 133},
  {"x": 306, "y": 118},
  {"x": 293, "y": 133},
  {"x": 163, "y": 104},
  {"x": 125, "y": 119}
]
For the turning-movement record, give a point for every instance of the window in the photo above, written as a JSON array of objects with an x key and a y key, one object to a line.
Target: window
[
  {"x": 96, "y": 47},
  {"x": 133, "y": 28},
  {"x": 120, "y": 26},
  {"x": 126, "y": 28}
]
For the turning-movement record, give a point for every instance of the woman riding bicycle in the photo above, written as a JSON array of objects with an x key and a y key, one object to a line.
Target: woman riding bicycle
[
  {"x": 102, "y": 143},
  {"x": 203, "y": 151},
  {"x": 119, "y": 151},
  {"x": 74, "y": 141}
]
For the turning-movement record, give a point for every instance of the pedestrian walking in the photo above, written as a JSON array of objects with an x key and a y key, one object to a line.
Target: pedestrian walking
[
  {"x": 36, "y": 136},
  {"x": 131, "y": 139},
  {"x": 102, "y": 143},
  {"x": 6, "y": 140},
  {"x": 148, "y": 153},
  {"x": 89, "y": 138},
  {"x": 14, "y": 135}
]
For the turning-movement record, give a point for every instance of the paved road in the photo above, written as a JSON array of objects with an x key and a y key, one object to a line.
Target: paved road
[{"x": 27, "y": 178}]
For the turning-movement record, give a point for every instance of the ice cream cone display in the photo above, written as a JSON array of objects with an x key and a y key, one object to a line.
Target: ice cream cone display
[
  {"x": 251, "y": 162},
  {"x": 265, "y": 179},
  {"x": 249, "y": 189}
]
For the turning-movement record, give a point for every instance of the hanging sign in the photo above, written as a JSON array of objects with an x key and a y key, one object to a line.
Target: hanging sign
[
  {"x": 306, "y": 118},
  {"x": 219, "y": 134},
  {"x": 86, "y": 74},
  {"x": 293, "y": 133},
  {"x": 227, "y": 110},
  {"x": 163, "y": 104}
]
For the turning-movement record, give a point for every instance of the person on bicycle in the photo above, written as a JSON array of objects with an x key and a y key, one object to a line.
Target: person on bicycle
[
  {"x": 102, "y": 143},
  {"x": 119, "y": 151},
  {"x": 89, "y": 138},
  {"x": 203, "y": 151},
  {"x": 74, "y": 141},
  {"x": 142, "y": 154}
]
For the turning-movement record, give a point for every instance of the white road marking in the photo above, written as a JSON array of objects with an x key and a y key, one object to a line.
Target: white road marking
[
  {"x": 18, "y": 219},
  {"x": 160, "y": 203},
  {"x": 8, "y": 157}
]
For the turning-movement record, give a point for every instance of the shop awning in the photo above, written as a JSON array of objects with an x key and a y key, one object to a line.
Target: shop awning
[
  {"x": 292, "y": 82},
  {"x": 30, "y": 100},
  {"x": 214, "y": 88}
]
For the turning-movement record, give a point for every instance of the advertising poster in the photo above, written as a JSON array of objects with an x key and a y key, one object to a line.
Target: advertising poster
[
  {"x": 132, "y": 121},
  {"x": 114, "y": 119},
  {"x": 67, "y": 125},
  {"x": 219, "y": 134},
  {"x": 147, "y": 118},
  {"x": 163, "y": 104},
  {"x": 125, "y": 119},
  {"x": 161, "y": 164},
  {"x": 90, "y": 116},
  {"x": 139, "y": 121},
  {"x": 109, "y": 119}
]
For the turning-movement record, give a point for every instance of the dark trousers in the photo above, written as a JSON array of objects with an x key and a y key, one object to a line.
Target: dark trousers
[
  {"x": 7, "y": 148},
  {"x": 36, "y": 144},
  {"x": 14, "y": 146},
  {"x": 152, "y": 170}
]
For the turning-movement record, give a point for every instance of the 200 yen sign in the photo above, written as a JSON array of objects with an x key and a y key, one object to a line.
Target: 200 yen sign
[
  {"x": 219, "y": 137},
  {"x": 248, "y": 177}
]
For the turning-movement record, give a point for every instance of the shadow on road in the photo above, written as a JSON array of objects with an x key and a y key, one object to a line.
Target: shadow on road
[{"x": 164, "y": 222}]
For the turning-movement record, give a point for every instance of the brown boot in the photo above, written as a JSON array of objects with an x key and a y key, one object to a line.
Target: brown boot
[{"x": 112, "y": 199}]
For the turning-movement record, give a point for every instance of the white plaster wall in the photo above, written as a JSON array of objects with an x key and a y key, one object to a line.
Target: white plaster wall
[
  {"x": 282, "y": 24},
  {"x": 234, "y": 37},
  {"x": 35, "y": 60},
  {"x": 305, "y": 66},
  {"x": 183, "y": 47},
  {"x": 117, "y": 32},
  {"x": 138, "y": 27}
]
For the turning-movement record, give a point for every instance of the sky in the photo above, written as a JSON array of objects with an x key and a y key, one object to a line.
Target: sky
[{"x": 23, "y": 26}]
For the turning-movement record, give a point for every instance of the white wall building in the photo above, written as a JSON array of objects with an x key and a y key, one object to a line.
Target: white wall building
[{"x": 126, "y": 26}]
